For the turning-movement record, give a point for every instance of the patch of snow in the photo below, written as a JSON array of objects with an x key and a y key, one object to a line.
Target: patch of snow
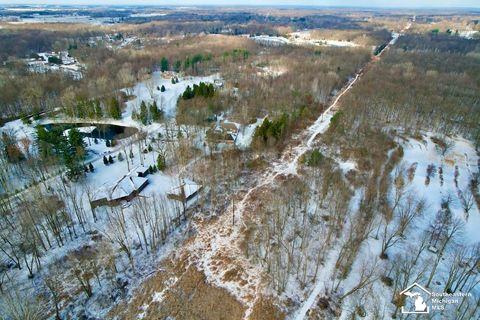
[
  {"x": 304, "y": 38},
  {"x": 88, "y": 129},
  {"x": 468, "y": 34},
  {"x": 462, "y": 156},
  {"x": 245, "y": 134},
  {"x": 167, "y": 101},
  {"x": 348, "y": 165}
]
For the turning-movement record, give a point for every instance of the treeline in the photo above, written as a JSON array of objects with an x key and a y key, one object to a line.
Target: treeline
[
  {"x": 192, "y": 63},
  {"x": 21, "y": 43},
  {"x": 187, "y": 22},
  {"x": 185, "y": 64},
  {"x": 425, "y": 90},
  {"x": 82, "y": 108},
  {"x": 29, "y": 94},
  {"x": 203, "y": 89},
  {"x": 199, "y": 105},
  {"x": 306, "y": 89},
  {"x": 273, "y": 133},
  {"x": 110, "y": 71},
  {"x": 435, "y": 41},
  {"x": 149, "y": 113}
]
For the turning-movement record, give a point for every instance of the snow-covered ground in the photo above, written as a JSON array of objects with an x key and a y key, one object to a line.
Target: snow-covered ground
[
  {"x": 147, "y": 15},
  {"x": 462, "y": 158},
  {"x": 147, "y": 91},
  {"x": 69, "y": 64},
  {"x": 220, "y": 239},
  {"x": 143, "y": 90},
  {"x": 418, "y": 156},
  {"x": 302, "y": 38},
  {"x": 469, "y": 34},
  {"x": 271, "y": 71},
  {"x": 245, "y": 134},
  {"x": 273, "y": 41},
  {"x": 160, "y": 184},
  {"x": 20, "y": 129},
  {"x": 74, "y": 18},
  {"x": 305, "y": 38}
]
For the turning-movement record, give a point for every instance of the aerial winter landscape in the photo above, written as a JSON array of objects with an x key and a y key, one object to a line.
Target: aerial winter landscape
[{"x": 254, "y": 160}]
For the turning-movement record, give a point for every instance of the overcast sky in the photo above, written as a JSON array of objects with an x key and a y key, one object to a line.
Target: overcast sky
[{"x": 354, "y": 3}]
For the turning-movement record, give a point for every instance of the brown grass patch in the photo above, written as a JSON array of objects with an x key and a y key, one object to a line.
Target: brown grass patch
[
  {"x": 264, "y": 309},
  {"x": 232, "y": 275},
  {"x": 450, "y": 162},
  {"x": 191, "y": 297}
]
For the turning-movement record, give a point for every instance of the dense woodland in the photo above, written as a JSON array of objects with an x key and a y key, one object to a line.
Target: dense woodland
[{"x": 273, "y": 218}]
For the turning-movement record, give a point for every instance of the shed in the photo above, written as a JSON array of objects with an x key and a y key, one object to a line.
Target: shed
[
  {"x": 184, "y": 192},
  {"x": 142, "y": 171}
]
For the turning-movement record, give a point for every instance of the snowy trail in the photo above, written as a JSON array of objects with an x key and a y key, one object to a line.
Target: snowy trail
[
  {"x": 216, "y": 249},
  {"x": 220, "y": 239},
  {"x": 319, "y": 285}
]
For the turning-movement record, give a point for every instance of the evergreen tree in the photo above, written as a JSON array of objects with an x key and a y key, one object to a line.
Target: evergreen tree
[
  {"x": 73, "y": 151},
  {"x": 195, "y": 60},
  {"x": 75, "y": 138},
  {"x": 186, "y": 63},
  {"x": 74, "y": 168},
  {"x": 107, "y": 143},
  {"x": 178, "y": 66},
  {"x": 110, "y": 159},
  {"x": 120, "y": 157},
  {"x": 161, "y": 162},
  {"x": 155, "y": 113},
  {"x": 143, "y": 113},
  {"x": 173, "y": 81},
  {"x": 76, "y": 145},
  {"x": 105, "y": 161},
  {"x": 162, "y": 89},
  {"x": 188, "y": 93},
  {"x": 90, "y": 166},
  {"x": 98, "y": 109},
  {"x": 115, "y": 111},
  {"x": 164, "y": 64}
]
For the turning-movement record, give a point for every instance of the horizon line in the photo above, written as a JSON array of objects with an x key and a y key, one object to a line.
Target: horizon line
[{"x": 293, "y": 6}]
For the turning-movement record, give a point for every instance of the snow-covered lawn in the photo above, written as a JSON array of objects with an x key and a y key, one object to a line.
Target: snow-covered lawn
[
  {"x": 305, "y": 38},
  {"x": 245, "y": 134},
  {"x": 302, "y": 38},
  {"x": 165, "y": 100},
  {"x": 468, "y": 34}
]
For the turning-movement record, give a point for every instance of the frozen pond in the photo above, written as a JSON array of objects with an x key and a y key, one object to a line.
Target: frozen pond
[{"x": 99, "y": 131}]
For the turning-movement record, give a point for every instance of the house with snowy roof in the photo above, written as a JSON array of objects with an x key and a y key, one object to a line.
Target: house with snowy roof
[{"x": 123, "y": 189}]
